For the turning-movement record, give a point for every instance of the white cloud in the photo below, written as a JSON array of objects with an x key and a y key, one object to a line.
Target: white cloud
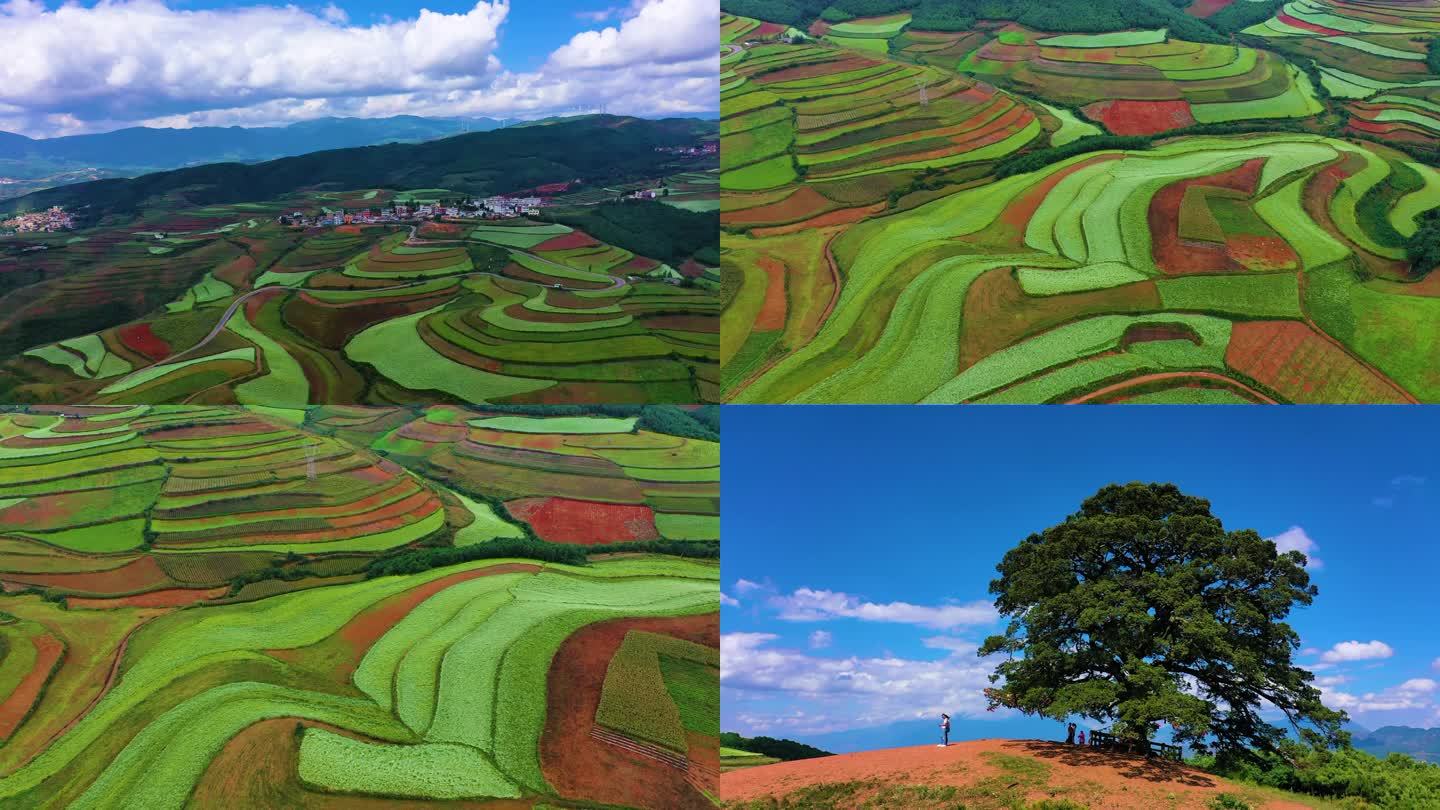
[
  {"x": 809, "y": 605},
  {"x": 954, "y": 645},
  {"x": 1408, "y": 481},
  {"x": 663, "y": 30},
  {"x": 729, "y": 601},
  {"x": 1435, "y": 665},
  {"x": 1357, "y": 651},
  {"x": 858, "y": 692},
  {"x": 745, "y": 586},
  {"x": 1295, "y": 539},
  {"x": 144, "y": 63},
  {"x": 820, "y": 639},
  {"x": 1414, "y": 694}
]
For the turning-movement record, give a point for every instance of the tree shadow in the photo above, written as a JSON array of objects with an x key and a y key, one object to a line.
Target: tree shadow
[{"x": 1130, "y": 766}]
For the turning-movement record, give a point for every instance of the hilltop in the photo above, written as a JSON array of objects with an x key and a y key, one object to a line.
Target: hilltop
[
  {"x": 600, "y": 149},
  {"x": 989, "y": 774}
]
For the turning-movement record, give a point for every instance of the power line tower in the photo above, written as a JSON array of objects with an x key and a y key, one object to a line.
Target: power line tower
[
  {"x": 310, "y": 460},
  {"x": 924, "y": 91}
]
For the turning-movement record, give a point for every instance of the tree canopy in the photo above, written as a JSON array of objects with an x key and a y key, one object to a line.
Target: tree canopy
[{"x": 1141, "y": 608}]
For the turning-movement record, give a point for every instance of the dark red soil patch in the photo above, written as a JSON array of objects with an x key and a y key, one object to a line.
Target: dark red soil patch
[
  {"x": 772, "y": 312},
  {"x": 23, "y": 698},
  {"x": 140, "y": 338},
  {"x": 1176, "y": 256},
  {"x": 577, "y": 764},
  {"x": 1302, "y": 366},
  {"x": 1125, "y": 117},
  {"x": 565, "y": 520},
  {"x": 569, "y": 241},
  {"x": 1294, "y": 22},
  {"x": 138, "y": 575},
  {"x": 170, "y": 597},
  {"x": 1206, "y": 8},
  {"x": 1156, "y": 332}
]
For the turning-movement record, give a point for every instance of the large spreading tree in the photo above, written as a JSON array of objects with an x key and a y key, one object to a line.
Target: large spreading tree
[{"x": 1142, "y": 609}]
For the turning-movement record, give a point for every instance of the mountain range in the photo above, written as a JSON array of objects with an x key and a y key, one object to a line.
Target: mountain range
[
  {"x": 30, "y": 163},
  {"x": 1420, "y": 743},
  {"x": 601, "y": 149}
]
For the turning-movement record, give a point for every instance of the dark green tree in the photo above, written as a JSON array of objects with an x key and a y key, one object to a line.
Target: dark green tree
[{"x": 1141, "y": 608}]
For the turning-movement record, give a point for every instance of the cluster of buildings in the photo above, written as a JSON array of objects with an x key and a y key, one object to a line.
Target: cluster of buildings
[
  {"x": 53, "y": 219},
  {"x": 498, "y": 207},
  {"x": 706, "y": 148}
]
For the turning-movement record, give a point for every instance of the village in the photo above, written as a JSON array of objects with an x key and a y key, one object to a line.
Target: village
[
  {"x": 494, "y": 207},
  {"x": 53, "y": 219}
]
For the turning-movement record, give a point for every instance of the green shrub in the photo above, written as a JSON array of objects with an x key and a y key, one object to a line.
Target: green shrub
[{"x": 1228, "y": 801}]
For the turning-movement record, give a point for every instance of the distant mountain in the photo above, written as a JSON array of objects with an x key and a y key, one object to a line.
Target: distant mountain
[
  {"x": 140, "y": 150},
  {"x": 1420, "y": 743},
  {"x": 602, "y": 150}
]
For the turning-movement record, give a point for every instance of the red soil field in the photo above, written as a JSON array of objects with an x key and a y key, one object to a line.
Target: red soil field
[
  {"x": 804, "y": 203},
  {"x": 17, "y": 706},
  {"x": 236, "y": 272},
  {"x": 137, "y": 575},
  {"x": 439, "y": 229},
  {"x": 1009, "y": 229},
  {"x": 1262, "y": 252},
  {"x": 767, "y": 29},
  {"x": 565, "y": 520},
  {"x": 772, "y": 313},
  {"x": 140, "y": 338},
  {"x": 1124, "y": 117},
  {"x": 170, "y": 597},
  {"x": 569, "y": 241},
  {"x": 577, "y": 764},
  {"x": 1307, "y": 26},
  {"x": 815, "y": 70},
  {"x": 1091, "y": 778},
  {"x": 1303, "y": 366},
  {"x": 844, "y": 216},
  {"x": 1175, "y": 256}
]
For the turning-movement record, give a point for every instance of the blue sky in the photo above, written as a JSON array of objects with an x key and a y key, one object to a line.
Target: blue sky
[
  {"x": 860, "y": 542},
  {"x": 182, "y": 63}
]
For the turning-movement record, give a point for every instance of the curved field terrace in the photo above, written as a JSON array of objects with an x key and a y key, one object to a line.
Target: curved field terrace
[
  {"x": 350, "y": 606},
  {"x": 1004, "y": 214}
]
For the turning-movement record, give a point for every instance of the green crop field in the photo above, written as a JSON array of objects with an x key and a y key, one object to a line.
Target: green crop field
[
  {"x": 266, "y": 607},
  {"x": 270, "y": 313},
  {"x": 1016, "y": 213}
]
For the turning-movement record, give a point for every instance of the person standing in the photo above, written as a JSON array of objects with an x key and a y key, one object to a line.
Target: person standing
[
  {"x": 1082, "y": 736},
  {"x": 944, "y": 730},
  {"x": 1070, "y": 734}
]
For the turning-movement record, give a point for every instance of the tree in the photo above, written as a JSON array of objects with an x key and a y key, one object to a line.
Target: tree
[{"x": 1141, "y": 608}]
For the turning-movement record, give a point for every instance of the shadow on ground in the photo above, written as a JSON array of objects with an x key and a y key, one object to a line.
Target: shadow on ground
[{"x": 1130, "y": 766}]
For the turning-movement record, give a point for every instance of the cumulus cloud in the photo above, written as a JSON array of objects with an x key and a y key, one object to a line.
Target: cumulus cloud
[
  {"x": 809, "y": 605},
  {"x": 744, "y": 586},
  {"x": 820, "y": 639},
  {"x": 1347, "y": 651},
  {"x": 852, "y": 692},
  {"x": 1414, "y": 694},
  {"x": 1295, "y": 539},
  {"x": 729, "y": 601},
  {"x": 145, "y": 63},
  {"x": 661, "y": 30}
]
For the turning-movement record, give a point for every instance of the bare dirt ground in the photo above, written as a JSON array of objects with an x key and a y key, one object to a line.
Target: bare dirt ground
[{"x": 994, "y": 773}]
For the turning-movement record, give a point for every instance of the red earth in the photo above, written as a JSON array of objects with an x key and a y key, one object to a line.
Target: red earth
[
  {"x": 772, "y": 313},
  {"x": 578, "y": 764},
  {"x": 1084, "y": 775},
  {"x": 16, "y": 707},
  {"x": 565, "y": 520},
  {"x": 1176, "y": 256},
  {"x": 574, "y": 239},
  {"x": 1124, "y": 117},
  {"x": 1205, "y": 8},
  {"x": 139, "y": 337}
]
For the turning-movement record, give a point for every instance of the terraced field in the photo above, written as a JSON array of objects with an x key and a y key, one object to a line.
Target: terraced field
[
  {"x": 1134, "y": 269},
  {"x": 1146, "y": 82},
  {"x": 344, "y": 606},
  {"x": 253, "y": 312},
  {"x": 1361, "y": 48},
  {"x": 1255, "y": 255}
]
